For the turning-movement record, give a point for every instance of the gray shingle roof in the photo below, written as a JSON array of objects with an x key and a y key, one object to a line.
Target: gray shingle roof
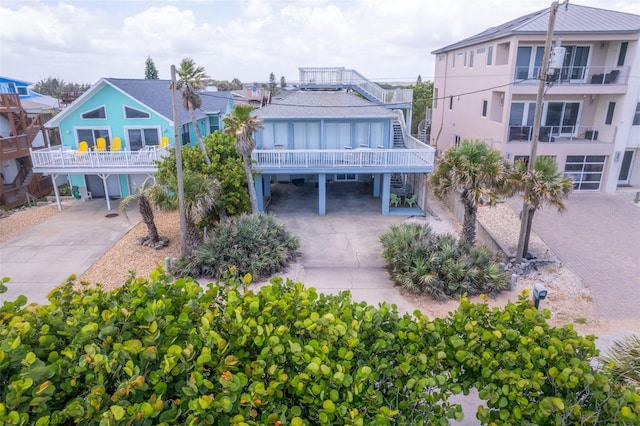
[
  {"x": 575, "y": 19},
  {"x": 157, "y": 96},
  {"x": 322, "y": 104}
]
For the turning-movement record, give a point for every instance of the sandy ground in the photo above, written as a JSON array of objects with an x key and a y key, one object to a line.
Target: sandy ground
[{"x": 569, "y": 301}]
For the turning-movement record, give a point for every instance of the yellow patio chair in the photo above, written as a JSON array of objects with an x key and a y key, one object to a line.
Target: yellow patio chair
[
  {"x": 101, "y": 144},
  {"x": 116, "y": 144},
  {"x": 83, "y": 146}
]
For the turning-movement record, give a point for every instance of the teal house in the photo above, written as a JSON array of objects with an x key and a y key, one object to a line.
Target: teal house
[
  {"x": 113, "y": 134},
  {"x": 338, "y": 128}
]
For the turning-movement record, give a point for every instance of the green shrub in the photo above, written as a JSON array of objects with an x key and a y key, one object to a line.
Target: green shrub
[
  {"x": 157, "y": 351},
  {"x": 624, "y": 360},
  {"x": 439, "y": 265},
  {"x": 253, "y": 244}
]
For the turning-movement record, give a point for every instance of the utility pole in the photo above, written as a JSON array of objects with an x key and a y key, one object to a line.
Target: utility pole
[
  {"x": 537, "y": 119},
  {"x": 183, "y": 218}
]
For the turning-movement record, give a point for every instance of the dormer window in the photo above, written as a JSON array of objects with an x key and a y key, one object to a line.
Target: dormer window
[
  {"x": 23, "y": 91},
  {"x": 95, "y": 113},
  {"x": 130, "y": 112}
]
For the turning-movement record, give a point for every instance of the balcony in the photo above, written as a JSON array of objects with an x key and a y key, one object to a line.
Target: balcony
[
  {"x": 575, "y": 75},
  {"x": 363, "y": 160},
  {"x": 60, "y": 160},
  {"x": 12, "y": 147},
  {"x": 564, "y": 134}
]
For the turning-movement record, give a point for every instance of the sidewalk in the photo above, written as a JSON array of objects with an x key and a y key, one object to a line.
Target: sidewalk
[{"x": 68, "y": 243}]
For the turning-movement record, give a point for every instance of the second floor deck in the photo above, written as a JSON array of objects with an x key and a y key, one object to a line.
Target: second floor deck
[{"x": 62, "y": 160}]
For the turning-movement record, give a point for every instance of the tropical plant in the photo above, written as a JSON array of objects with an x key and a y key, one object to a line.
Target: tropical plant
[
  {"x": 225, "y": 165},
  {"x": 478, "y": 172},
  {"x": 150, "y": 70},
  {"x": 246, "y": 244},
  {"x": 144, "y": 197},
  {"x": 242, "y": 125},
  {"x": 191, "y": 79},
  {"x": 623, "y": 360},
  {"x": 200, "y": 195},
  {"x": 159, "y": 351},
  {"x": 543, "y": 185},
  {"x": 439, "y": 265}
]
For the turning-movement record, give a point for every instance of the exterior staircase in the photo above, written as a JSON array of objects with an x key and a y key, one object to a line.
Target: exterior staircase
[{"x": 398, "y": 135}]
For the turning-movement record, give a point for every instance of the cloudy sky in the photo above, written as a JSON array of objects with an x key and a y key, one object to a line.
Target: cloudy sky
[{"x": 385, "y": 40}]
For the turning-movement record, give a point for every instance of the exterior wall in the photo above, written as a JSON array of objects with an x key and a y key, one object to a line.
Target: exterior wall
[
  {"x": 457, "y": 109},
  {"x": 115, "y": 121}
]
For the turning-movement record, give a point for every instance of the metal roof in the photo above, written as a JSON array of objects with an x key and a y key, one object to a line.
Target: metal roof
[
  {"x": 575, "y": 19},
  {"x": 323, "y": 104}
]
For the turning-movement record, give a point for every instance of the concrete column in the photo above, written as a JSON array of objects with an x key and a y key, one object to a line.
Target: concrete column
[
  {"x": 267, "y": 186},
  {"x": 55, "y": 190},
  {"x": 259, "y": 192},
  {"x": 386, "y": 189},
  {"x": 322, "y": 194},
  {"x": 106, "y": 189},
  {"x": 376, "y": 185},
  {"x": 407, "y": 120}
]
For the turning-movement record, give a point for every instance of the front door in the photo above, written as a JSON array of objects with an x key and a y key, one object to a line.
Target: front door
[{"x": 625, "y": 169}]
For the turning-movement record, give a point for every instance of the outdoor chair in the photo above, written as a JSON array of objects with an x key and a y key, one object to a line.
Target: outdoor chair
[
  {"x": 394, "y": 199},
  {"x": 411, "y": 201}
]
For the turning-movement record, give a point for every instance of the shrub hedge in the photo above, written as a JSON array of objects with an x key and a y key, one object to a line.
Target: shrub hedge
[
  {"x": 253, "y": 244},
  {"x": 439, "y": 265},
  {"x": 157, "y": 351}
]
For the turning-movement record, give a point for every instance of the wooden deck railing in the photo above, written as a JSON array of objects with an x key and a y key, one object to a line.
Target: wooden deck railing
[
  {"x": 60, "y": 158},
  {"x": 9, "y": 101},
  {"x": 343, "y": 158}
]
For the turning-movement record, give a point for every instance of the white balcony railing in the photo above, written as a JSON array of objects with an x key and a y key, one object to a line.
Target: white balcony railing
[
  {"x": 596, "y": 75},
  {"x": 61, "y": 159},
  {"x": 344, "y": 158}
]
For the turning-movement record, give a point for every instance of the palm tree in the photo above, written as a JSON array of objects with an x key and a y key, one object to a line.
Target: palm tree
[
  {"x": 544, "y": 185},
  {"x": 200, "y": 195},
  {"x": 192, "y": 78},
  {"x": 242, "y": 125},
  {"x": 478, "y": 173},
  {"x": 145, "y": 197}
]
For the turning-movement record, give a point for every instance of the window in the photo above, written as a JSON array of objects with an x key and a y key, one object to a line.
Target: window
[
  {"x": 489, "y": 55},
  {"x": 465, "y": 59},
  {"x": 456, "y": 140},
  {"x": 22, "y": 90},
  {"x": 214, "y": 124},
  {"x": 585, "y": 170},
  {"x": 99, "y": 112},
  {"x": 435, "y": 98},
  {"x": 480, "y": 50},
  {"x": 453, "y": 60},
  {"x": 184, "y": 134},
  {"x": 623, "y": 53},
  {"x": 346, "y": 177},
  {"x": 560, "y": 118},
  {"x": 90, "y": 136},
  {"x": 522, "y": 158},
  {"x": 337, "y": 135},
  {"x": 471, "y": 52},
  {"x": 521, "y": 121},
  {"x": 610, "y": 110},
  {"x": 529, "y": 62},
  {"x": 135, "y": 113},
  {"x": 307, "y": 135},
  {"x": 441, "y": 57},
  {"x": 142, "y": 137},
  {"x": 636, "y": 115},
  {"x": 450, "y": 102},
  {"x": 485, "y": 105}
]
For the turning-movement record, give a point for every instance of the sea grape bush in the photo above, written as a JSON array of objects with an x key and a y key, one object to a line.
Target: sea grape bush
[{"x": 159, "y": 351}]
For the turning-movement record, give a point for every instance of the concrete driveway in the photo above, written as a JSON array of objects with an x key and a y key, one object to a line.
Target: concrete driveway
[{"x": 68, "y": 243}]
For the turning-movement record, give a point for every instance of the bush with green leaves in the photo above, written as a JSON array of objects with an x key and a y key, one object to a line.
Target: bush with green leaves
[
  {"x": 158, "y": 352},
  {"x": 226, "y": 166},
  {"x": 253, "y": 244},
  {"x": 623, "y": 360},
  {"x": 439, "y": 265}
]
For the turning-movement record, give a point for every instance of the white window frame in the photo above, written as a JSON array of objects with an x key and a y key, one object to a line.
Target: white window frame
[
  {"x": 490, "y": 55},
  {"x": 485, "y": 108},
  {"x": 124, "y": 113},
  {"x": 95, "y": 109},
  {"x": 24, "y": 88},
  {"x": 91, "y": 145},
  {"x": 636, "y": 116},
  {"x": 142, "y": 129}
]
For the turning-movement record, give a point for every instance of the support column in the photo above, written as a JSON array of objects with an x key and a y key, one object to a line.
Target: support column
[
  {"x": 408, "y": 119},
  {"x": 55, "y": 190},
  {"x": 376, "y": 185},
  {"x": 106, "y": 190},
  {"x": 386, "y": 189},
  {"x": 322, "y": 194},
  {"x": 267, "y": 186},
  {"x": 260, "y": 192}
]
